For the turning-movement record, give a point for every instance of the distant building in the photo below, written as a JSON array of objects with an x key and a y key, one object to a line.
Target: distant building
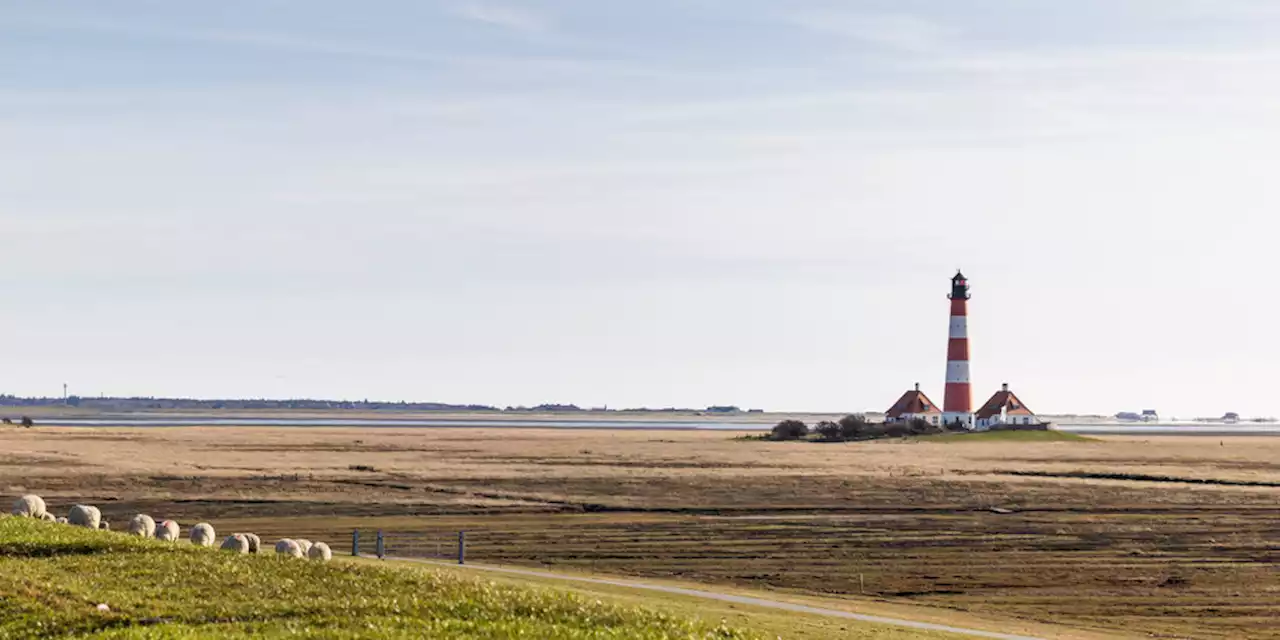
[
  {"x": 1231, "y": 417},
  {"x": 957, "y": 398},
  {"x": 1004, "y": 408},
  {"x": 914, "y": 404},
  {"x": 1150, "y": 415}
]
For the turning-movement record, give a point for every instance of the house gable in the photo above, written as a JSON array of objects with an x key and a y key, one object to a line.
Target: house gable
[
  {"x": 1004, "y": 401},
  {"x": 912, "y": 403}
]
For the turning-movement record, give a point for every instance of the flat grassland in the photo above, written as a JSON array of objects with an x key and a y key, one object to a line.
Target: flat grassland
[{"x": 994, "y": 529}]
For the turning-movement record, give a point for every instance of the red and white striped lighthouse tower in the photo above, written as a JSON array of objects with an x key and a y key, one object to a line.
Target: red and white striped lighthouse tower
[{"x": 957, "y": 402}]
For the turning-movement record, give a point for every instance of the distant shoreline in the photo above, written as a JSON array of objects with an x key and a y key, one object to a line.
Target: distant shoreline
[{"x": 582, "y": 421}]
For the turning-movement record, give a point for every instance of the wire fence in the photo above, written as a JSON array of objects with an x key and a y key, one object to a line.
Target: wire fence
[{"x": 410, "y": 545}]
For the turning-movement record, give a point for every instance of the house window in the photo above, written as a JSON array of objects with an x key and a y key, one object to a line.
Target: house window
[
  {"x": 1026, "y": 420},
  {"x": 935, "y": 419}
]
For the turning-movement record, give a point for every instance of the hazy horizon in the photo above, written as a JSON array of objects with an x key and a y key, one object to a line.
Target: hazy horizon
[
  {"x": 669, "y": 204},
  {"x": 535, "y": 408}
]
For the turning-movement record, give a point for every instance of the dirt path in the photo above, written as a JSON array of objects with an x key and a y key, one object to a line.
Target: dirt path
[{"x": 725, "y": 597}]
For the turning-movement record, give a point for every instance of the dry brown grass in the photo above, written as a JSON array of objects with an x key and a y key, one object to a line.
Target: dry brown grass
[{"x": 913, "y": 518}]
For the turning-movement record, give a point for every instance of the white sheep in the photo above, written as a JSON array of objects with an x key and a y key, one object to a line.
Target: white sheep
[
  {"x": 142, "y": 525},
  {"x": 320, "y": 552},
  {"x": 48, "y": 517},
  {"x": 104, "y": 525},
  {"x": 29, "y": 506},
  {"x": 168, "y": 531},
  {"x": 202, "y": 535},
  {"x": 255, "y": 543},
  {"x": 237, "y": 543},
  {"x": 85, "y": 516},
  {"x": 304, "y": 545},
  {"x": 289, "y": 548},
  {"x": 62, "y": 521}
]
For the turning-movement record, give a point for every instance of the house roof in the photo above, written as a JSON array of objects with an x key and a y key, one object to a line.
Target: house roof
[
  {"x": 1004, "y": 399},
  {"x": 912, "y": 402}
]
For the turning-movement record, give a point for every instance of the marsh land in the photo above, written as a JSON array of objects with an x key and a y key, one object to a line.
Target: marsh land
[{"x": 994, "y": 529}]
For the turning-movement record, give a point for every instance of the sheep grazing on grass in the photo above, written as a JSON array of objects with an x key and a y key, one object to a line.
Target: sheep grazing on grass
[
  {"x": 255, "y": 543},
  {"x": 305, "y": 545},
  {"x": 104, "y": 525},
  {"x": 202, "y": 535},
  {"x": 29, "y": 506},
  {"x": 168, "y": 531},
  {"x": 320, "y": 552},
  {"x": 62, "y": 521},
  {"x": 142, "y": 525},
  {"x": 48, "y": 517},
  {"x": 289, "y": 548},
  {"x": 237, "y": 543},
  {"x": 85, "y": 516}
]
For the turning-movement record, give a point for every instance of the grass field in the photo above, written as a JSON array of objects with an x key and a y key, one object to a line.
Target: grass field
[
  {"x": 915, "y": 518},
  {"x": 795, "y": 626},
  {"x": 1007, "y": 436},
  {"x": 54, "y": 578}
]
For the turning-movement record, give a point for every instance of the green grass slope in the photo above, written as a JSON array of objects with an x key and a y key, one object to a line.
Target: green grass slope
[
  {"x": 1007, "y": 436},
  {"x": 53, "y": 577}
]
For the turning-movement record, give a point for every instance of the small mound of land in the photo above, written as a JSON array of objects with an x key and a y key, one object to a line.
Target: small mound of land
[
  {"x": 54, "y": 577},
  {"x": 1007, "y": 436}
]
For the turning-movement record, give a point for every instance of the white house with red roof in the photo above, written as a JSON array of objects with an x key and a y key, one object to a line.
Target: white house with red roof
[
  {"x": 914, "y": 404},
  {"x": 1004, "y": 408}
]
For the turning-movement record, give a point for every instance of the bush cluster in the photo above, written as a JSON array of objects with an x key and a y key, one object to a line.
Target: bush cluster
[
  {"x": 852, "y": 428},
  {"x": 789, "y": 430}
]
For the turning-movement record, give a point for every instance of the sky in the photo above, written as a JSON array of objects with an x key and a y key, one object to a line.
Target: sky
[{"x": 667, "y": 203}]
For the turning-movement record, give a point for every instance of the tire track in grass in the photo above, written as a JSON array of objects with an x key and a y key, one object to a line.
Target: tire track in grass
[{"x": 736, "y": 599}]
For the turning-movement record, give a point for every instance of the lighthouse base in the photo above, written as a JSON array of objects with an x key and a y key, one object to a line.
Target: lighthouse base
[{"x": 964, "y": 420}]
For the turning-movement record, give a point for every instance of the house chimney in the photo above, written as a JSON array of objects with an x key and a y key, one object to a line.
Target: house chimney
[
  {"x": 1005, "y": 387},
  {"x": 917, "y": 386}
]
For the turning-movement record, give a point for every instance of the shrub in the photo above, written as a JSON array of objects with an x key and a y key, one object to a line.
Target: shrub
[
  {"x": 27, "y": 422},
  {"x": 828, "y": 430},
  {"x": 897, "y": 430},
  {"x": 920, "y": 427},
  {"x": 854, "y": 427},
  {"x": 789, "y": 430}
]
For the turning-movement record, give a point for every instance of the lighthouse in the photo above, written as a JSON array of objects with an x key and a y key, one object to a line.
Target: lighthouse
[{"x": 957, "y": 401}]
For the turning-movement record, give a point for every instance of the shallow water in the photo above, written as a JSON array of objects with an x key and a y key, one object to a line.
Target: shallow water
[{"x": 1208, "y": 429}]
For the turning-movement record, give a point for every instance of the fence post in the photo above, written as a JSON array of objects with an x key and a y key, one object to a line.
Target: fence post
[
  {"x": 462, "y": 547},
  {"x": 355, "y": 543},
  {"x": 382, "y": 549}
]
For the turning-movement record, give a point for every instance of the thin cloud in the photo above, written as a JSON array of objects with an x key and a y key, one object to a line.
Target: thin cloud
[
  {"x": 900, "y": 32},
  {"x": 296, "y": 43},
  {"x": 506, "y": 17},
  {"x": 1101, "y": 60}
]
